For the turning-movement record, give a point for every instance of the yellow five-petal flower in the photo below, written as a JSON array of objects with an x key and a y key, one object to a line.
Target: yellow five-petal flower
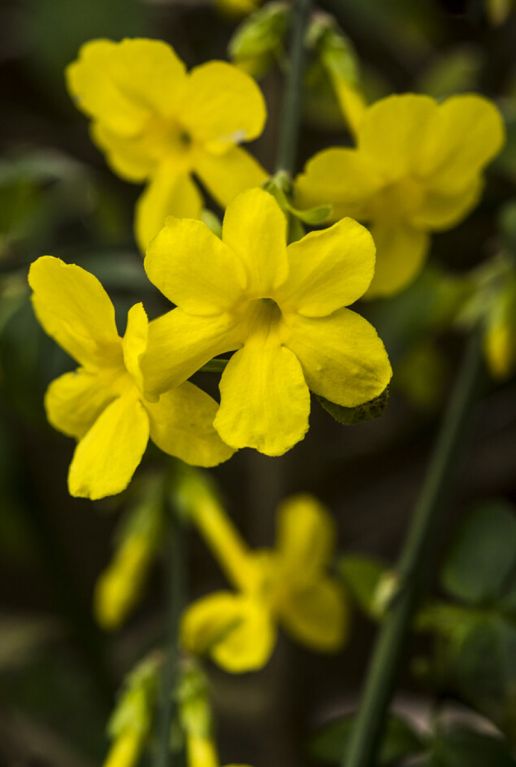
[
  {"x": 417, "y": 169},
  {"x": 157, "y": 122},
  {"x": 101, "y": 403},
  {"x": 288, "y": 585},
  {"x": 282, "y": 308}
]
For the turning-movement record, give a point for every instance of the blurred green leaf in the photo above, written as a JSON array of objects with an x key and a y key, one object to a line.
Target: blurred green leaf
[
  {"x": 484, "y": 671},
  {"x": 331, "y": 742},
  {"x": 460, "y": 747},
  {"x": 259, "y": 40},
  {"x": 454, "y": 71},
  {"x": 483, "y": 555},
  {"x": 362, "y": 576},
  {"x": 348, "y": 416}
]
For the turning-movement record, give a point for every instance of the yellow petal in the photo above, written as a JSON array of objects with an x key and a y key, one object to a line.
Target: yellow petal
[
  {"x": 255, "y": 229},
  {"x": 265, "y": 401},
  {"x": 467, "y": 133},
  {"x": 317, "y": 616},
  {"x": 345, "y": 178},
  {"x": 329, "y": 269},
  {"x": 392, "y": 131},
  {"x": 227, "y": 175},
  {"x": 119, "y": 587},
  {"x": 351, "y": 102},
  {"x": 126, "y": 750},
  {"x": 342, "y": 357},
  {"x": 107, "y": 456},
  {"x": 75, "y": 310},
  {"x": 305, "y": 537},
  {"x": 222, "y": 106},
  {"x": 400, "y": 254},
  {"x": 181, "y": 424},
  {"x": 201, "y": 751},
  {"x": 167, "y": 194},
  {"x": 75, "y": 400},
  {"x": 500, "y": 335},
  {"x": 235, "y": 630},
  {"x": 194, "y": 269},
  {"x": 122, "y": 84},
  {"x": 441, "y": 211},
  {"x": 134, "y": 342},
  {"x": 181, "y": 343},
  {"x": 132, "y": 157}
]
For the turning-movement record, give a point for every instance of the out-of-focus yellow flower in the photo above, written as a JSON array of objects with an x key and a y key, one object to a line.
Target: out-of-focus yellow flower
[
  {"x": 288, "y": 585},
  {"x": 417, "y": 169},
  {"x": 282, "y": 308},
  {"x": 196, "y": 718},
  {"x": 101, "y": 404},
  {"x": 131, "y": 721},
  {"x": 119, "y": 587},
  {"x": 160, "y": 124},
  {"x": 237, "y": 7},
  {"x": 500, "y": 333}
]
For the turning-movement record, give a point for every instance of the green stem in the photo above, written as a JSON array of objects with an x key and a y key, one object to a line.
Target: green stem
[
  {"x": 413, "y": 563},
  {"x": 167, "y": 712},
  {"x": 292, "y": 103}
]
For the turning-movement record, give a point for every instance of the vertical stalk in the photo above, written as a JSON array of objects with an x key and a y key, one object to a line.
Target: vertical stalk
[
  {"x": 293, "y": 96},
  {"x": 413, "y": 563},
  {"x": 167, "y": 708}
]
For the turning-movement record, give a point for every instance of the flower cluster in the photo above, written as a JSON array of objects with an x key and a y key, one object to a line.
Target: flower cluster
[{"x": 273, "y": 301}]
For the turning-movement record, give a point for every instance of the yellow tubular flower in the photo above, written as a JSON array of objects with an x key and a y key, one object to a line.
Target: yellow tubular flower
[
  {"x": 126, "y": 750},
  {"x": 101, "y": 404},
  {"x": 289, "y": 586},
  {"x": 500, "y": 335},
  {"x": 237, "y": 7},
  {"x": 157, "y": 123},
  {"x": 282, "y": 307},
  {"x": 417, "y": 169}
]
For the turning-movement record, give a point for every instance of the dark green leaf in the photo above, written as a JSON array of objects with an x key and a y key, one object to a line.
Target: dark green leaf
[
  {"x": 483, "y": 555},
  {"x": 331, "y": 743},
  {"x": 351, "y": 415},
  {"x": 461, "y": 747}
]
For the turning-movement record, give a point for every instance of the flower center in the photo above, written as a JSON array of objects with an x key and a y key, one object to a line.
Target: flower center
[
  {"x": 168, "y": 139},
  {"x": 399, "y": 199},
  {"x": 264, "y": 316}
]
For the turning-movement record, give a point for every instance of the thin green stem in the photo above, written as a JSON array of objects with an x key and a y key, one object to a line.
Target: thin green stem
[
  {"x": 413, "y": 563},
  {"x": 167, "y": 712},
  {"x": 293, "y": 98}
]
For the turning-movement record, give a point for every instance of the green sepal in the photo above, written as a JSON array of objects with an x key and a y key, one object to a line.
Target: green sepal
[{"x": 348, "y": 416}]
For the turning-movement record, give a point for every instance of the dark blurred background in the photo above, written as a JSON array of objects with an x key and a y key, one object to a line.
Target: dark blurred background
[{"x": 58, "y": 671}]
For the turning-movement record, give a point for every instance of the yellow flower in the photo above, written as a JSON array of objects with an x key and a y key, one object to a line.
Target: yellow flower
[
  {"x": 417, "y": 169},
  {"x": 125, "y": 750},
  {"x": 500, "y": 335},
  {"x": 282, "y": 308},
  {"x": 289, "y": 586},
  {"x": 158, "y": 123},
  {"x": 237, "y": 7},
  {"x": 101, "y": 403},
  {"x": 130, "y": 724}
]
